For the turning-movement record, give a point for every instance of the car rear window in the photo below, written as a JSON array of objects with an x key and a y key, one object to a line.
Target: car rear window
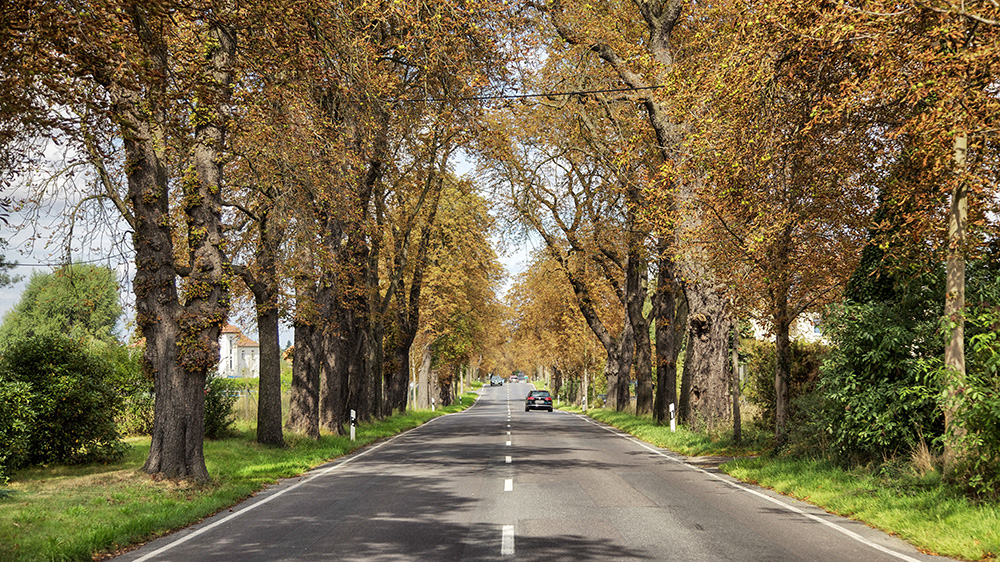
[{"x": 539, "y": 393}]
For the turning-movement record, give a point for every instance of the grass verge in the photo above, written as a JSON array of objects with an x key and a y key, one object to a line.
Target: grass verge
[
  {"x": 682, "y": 441},
  {"x": 84, "y": 512},
  {"x": 919, "y": 509}
]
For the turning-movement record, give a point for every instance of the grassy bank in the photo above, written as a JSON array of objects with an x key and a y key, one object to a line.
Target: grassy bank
[
  {"x": 682, "y": 441},
  {"x": 75, "y": 512},
  {"x": 919, "y": 509}
]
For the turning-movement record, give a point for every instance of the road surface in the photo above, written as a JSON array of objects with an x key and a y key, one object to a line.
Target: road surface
[{"x": 498, "y": 483}]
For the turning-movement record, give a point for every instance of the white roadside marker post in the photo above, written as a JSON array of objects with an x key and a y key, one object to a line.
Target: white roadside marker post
[
  {"x": 354, "y": 423},
  {"x": 673, "y": 418}
]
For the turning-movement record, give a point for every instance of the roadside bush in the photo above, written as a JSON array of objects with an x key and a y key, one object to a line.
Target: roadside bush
[
  {"x": 760, "y": 358},
  {"x": 16, "y": 420},
  {"x": 877, "y": 397},
  {"x": 978, "y": 412},
  {"x": 67, "y": 391},
  {"x": 134, "y": 388},
  {"x": 220, "y": 396}
]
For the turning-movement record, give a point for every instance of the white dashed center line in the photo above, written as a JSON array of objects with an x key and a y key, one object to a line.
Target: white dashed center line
[
  {"x": 508, "y": 485},
  {"x": 509, "y": 460},
  {"x": 508, "y": 443},
  {"x": 507, "y": 542}
]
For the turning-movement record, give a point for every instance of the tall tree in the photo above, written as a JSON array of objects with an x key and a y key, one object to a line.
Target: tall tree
[
  {"x": 160, "y": 75},
  {"x": 79, "y": 301},
  {"x": 636, "y": 41},
  {"x": 934, "y": 64}
]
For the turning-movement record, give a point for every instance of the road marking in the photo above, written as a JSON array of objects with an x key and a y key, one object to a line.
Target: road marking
[
  {"x": 303, "y": 479},
  {"x": 508, "y": 443},
  {"x": 508, "y": 433},
  {"x": 507, "y": 542},
  {"x": 508, "y": 485},
  {"x": 739, "y": 486},
  {"x": 508, "y": 459}
]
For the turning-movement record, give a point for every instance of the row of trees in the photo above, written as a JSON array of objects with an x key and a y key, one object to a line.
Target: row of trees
[
  {"x": 687, "y": 166},
  {"x": 743, "y": 156},
  {"x": 301, "y": 156}
]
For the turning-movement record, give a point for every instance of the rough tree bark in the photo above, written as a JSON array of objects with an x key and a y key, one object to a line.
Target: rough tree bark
[
  {"x": 670, "y": 319},
  {"x": 303, "y": 412},
  {"x": 182, "y": 339},
  {"x": 636, "y": 291},
  {"x": 707, "y": 359}
]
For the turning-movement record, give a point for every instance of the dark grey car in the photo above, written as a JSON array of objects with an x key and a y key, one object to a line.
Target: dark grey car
[{"x": 538, "y": 400}]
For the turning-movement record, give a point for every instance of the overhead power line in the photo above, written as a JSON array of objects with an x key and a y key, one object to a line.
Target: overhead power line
[{"x": 539, "y": 95}]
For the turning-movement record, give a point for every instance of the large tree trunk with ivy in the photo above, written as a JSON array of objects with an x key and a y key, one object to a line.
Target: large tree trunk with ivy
[{"x": 182, "y": 339}]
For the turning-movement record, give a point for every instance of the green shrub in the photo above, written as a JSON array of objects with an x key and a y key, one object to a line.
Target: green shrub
[
  {"x": 134, "y": 387},
  {"x": 16, "y": 420},
  {"x": 760, "y": 358},
  {"x": 72, "y": 403},
  {"x": 220, "y": 396},
  {"x": 978, "y": 408},
  {"x": 877, "y": 398}
]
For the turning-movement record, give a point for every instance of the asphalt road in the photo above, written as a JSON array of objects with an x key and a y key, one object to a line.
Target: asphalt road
[{"x": 498, "y": 483}]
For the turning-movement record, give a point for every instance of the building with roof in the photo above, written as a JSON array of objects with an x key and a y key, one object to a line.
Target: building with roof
[{"x": 239, "y": 356}]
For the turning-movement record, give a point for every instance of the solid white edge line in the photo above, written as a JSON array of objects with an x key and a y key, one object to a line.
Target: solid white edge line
[
  {"x": 309, "y": 478},
  {"x": 507, "y": 541},
  {"x": 739, "y": 486}
]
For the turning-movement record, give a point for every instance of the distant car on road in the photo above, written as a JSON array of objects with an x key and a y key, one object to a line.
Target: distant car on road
[
  {"x": 496, "y": 380},
  {"x": 538, "y": 400}
]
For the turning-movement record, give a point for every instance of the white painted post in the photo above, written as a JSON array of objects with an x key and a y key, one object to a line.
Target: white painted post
[
  {"x": 432, "y": 404},
  {"x": 354, "y": 423},
  {"x": 673, "y": 418}
]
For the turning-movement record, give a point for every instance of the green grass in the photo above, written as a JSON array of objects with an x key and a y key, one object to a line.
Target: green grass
[
  {"x": 919, "y": 509},
  {"x": 75, "y": 512},
  {"x": 682, "y": 441}
]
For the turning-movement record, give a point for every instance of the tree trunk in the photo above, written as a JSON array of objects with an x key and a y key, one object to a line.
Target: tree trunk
[
  {"x": 636, "y": 290},
  {"x": 735, "y": 380},
  {"x": 269, "y": 394},
  {"x": 399, "y": 380},
  {"x": 954, "y": 351},
  {"x": 619, "y": 364},
  {"x": 264, "y": 286},
  {"x": 425, "y": 384},
  {"x": 782, "y": 367},
  {"x": 335, "y": 360},
  {"x": 665, "y": 308},
  {"x": 179, "y": 403},
  {"x": 303, "y": 414},
  {"x": 783, "y": 318},
  {"x": 706, "y": 362}
]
